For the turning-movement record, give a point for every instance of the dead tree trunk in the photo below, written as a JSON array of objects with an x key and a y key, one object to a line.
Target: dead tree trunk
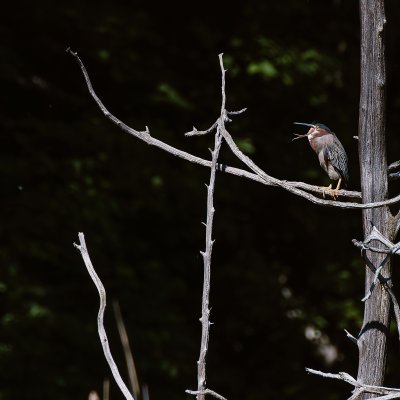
[{"x": 374, "y": 186}]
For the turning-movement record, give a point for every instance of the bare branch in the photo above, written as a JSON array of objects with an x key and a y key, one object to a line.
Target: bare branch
[
  {"x": 195, "y": 132},
  {"x": 205, "y": 310},
  {"x": 236, "y": 112},
  {"x": 394, "y": 166},
  {"x": 205, "y": 313},
  {"x": 297, "y": 188},
  {"x": 394, "y": 176},
  {"x": 394, "y": 393},
  {"x": 351, "y": 337},
  {"x": 100, "y": 317}
]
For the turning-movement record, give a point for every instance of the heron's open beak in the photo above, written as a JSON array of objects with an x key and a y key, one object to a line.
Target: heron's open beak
[
  {"x": 302, "y": 136},
  {"x": 299, "y": 136}
]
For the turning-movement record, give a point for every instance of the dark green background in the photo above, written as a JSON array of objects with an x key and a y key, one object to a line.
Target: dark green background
[{"x": 280, "y": 264}]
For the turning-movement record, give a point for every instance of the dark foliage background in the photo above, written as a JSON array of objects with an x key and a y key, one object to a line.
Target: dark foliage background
[{"x": 286, "y": 280}]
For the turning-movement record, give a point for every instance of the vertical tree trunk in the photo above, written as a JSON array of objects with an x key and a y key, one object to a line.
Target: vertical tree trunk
[{"x": 374, "y": 185}]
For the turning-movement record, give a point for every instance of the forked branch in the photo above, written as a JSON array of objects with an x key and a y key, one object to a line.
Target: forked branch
[{"x": 299, "y": 188}]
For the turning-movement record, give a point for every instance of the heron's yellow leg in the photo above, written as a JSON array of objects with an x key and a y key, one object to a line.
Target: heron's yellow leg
[{"x": 332, "y": 192}]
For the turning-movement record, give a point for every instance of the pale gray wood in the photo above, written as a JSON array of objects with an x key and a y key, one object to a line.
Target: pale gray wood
[{"x": 372, "y": 341}]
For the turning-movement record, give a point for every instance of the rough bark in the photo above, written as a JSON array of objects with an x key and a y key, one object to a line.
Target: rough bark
[{"x": 374, "y": 186}]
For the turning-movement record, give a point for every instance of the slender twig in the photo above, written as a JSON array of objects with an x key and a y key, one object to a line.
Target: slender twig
[
  {"x": 130, "y": 363},
  {"x": 205, "y": 310},
  {"x": 298, "y": 188},
  {"x": 392, "y": 393},
  {"x": 351, "y": 337},
  {"x": 100, "y": 317},
  {"x": 394, "y": 166}
]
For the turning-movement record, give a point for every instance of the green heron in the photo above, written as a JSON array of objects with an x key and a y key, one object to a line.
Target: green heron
[{"x": 331, "y": 154}]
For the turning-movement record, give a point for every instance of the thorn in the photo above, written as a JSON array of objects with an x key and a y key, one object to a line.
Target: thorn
[
  {"x": 68, "y": 50},
  {"x": 366, "y": 297},
  {"x": 202, "y": 253},
  {"x": 351, "y": 337},
  {"x": 204, "y": 224}
]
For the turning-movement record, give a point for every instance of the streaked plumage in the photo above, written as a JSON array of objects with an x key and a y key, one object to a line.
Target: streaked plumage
[{"x": 331, "y": 154}]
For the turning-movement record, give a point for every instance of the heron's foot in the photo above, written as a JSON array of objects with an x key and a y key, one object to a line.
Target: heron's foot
[{"x": 334, "y": 193}]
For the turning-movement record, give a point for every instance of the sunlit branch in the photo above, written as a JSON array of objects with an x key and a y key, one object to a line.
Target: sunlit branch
[
  {"x": 202, "y": 389},
  {"x": 298, "y": 188}
]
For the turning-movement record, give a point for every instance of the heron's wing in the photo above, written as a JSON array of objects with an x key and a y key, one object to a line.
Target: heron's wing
[{"x": 336, "y": 154}]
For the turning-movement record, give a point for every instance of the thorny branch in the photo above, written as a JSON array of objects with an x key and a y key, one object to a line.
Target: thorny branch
[
  {"x": 100, "y": 317},
  {"x": 205, "y": 310},
  {"x": 385, "y": 392},
  {"x": 299, "y": 188}
]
